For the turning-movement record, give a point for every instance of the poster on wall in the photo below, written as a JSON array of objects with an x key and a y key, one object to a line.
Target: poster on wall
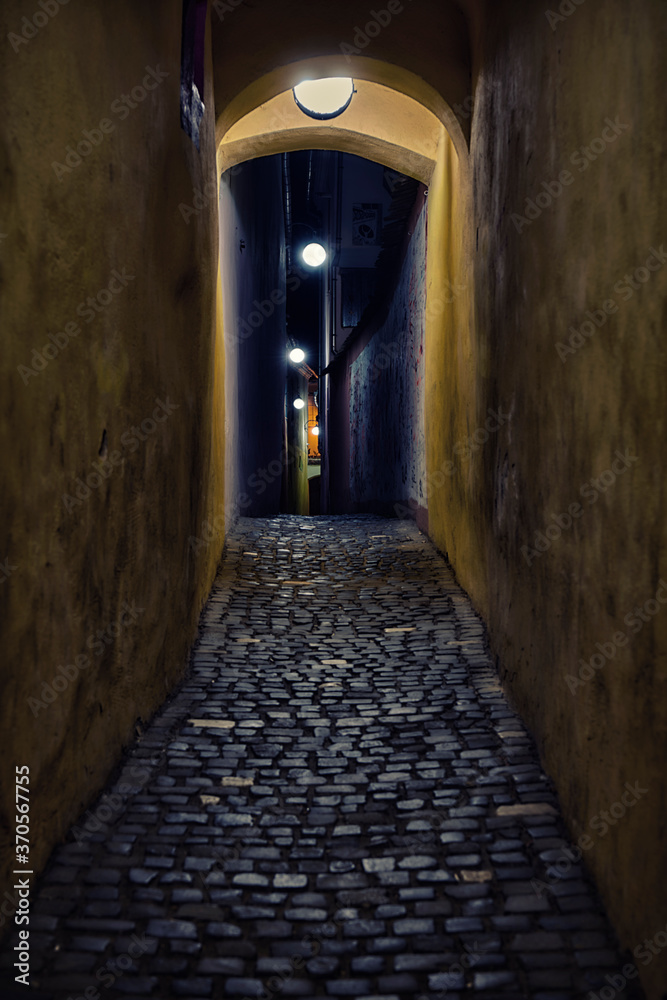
[{"x": 366, "y": 224}]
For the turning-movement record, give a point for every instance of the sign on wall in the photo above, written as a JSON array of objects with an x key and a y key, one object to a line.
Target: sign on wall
[{"x": 366, "y": 224}]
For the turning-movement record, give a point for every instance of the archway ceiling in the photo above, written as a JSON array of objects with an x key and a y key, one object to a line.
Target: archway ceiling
[
  {"x": 380, "y": 124},
  {"x": 259, "y": 47}
]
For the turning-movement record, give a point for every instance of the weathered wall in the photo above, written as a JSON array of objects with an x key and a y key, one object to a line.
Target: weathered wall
[
  {"x": 556, "y": 538},
  {"x": 457, "y": 396},
  {"x": 77, "y": 566},
  {"x": 378, "y": 449},
  {"x": 254, "y": 297},
  {"x": 253, "y": 268}
]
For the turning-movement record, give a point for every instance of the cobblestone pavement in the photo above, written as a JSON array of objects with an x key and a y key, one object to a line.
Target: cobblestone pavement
[{"x": 338, "y": 802}]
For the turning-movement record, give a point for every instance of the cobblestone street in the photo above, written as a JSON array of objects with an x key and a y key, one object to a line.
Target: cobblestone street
[{"x": 338, "y": 802}]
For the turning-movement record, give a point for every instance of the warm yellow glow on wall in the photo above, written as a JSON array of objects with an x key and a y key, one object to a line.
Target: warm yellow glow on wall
[{"x": 381, "y": 124}]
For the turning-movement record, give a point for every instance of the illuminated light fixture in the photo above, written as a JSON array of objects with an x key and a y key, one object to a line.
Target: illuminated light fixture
[
  {"x": 315, "y": 431},
  {"x": 314, "y": 255},
  {"x": 298, "y": 403},
  {"x": 297, "y": 355},
  {"x": 326, "y": 98}
]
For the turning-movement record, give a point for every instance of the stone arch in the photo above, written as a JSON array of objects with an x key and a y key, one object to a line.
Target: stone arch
[
  {"x": 421, "y": 49},
  {"x": 395, "y": 118},
  {"x": 381, "y": 124}
]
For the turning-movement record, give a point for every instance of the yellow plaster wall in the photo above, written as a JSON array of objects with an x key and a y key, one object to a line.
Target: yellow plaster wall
[
  {"x": 455, "y": 373},
  {"x": 543, "y": 92},
  {"x": 128, "y": 541}
]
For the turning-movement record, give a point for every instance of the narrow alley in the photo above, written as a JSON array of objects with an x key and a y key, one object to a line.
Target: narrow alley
[
  {"x": 338, "y": 801},
  {"x": 333, "y": 547}
]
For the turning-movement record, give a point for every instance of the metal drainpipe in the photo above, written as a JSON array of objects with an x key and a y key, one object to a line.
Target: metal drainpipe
[
  {"x": 310, "y": 179},
  {"x": 330, "y": 320},
  {"x": 334, "y": 264},
  {"x": 324, "y": 386},
  {"x": 287, "y": 197},
  {"x": 287, "y": 202}
]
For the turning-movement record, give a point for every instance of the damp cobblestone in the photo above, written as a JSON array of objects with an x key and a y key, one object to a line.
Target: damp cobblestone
[{"x": 321, "y": 809}]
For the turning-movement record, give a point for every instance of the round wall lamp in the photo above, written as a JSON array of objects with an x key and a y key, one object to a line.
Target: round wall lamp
[
  {"x": 298, "y": 403},
  {"x": 314, "y": 255},
  {"x": 297, "y": 355},
  {"x": 326, "y": 98}
]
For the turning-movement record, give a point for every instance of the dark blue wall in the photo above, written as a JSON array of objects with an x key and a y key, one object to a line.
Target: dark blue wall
[
  {"x": 253, "y": 269},
  {"x": 377, "y": 439}
]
